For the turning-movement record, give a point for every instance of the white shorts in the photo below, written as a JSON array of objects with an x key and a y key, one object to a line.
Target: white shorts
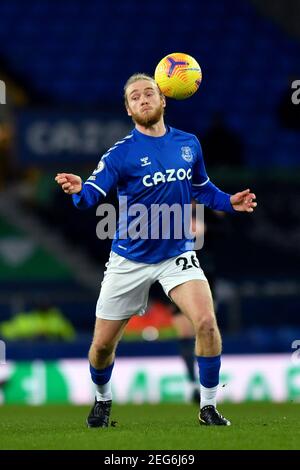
[{"x": 125, "y": 286}]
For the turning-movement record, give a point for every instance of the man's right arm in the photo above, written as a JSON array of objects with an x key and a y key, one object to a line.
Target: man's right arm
[
  {"x": 86, "y": 198},
  {"x": 97, "y": 186}
]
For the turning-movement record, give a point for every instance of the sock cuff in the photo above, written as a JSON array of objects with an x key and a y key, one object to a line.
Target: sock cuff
[
  {"x": 101, "y": 376},
  {"x": 209, "y": 360}
]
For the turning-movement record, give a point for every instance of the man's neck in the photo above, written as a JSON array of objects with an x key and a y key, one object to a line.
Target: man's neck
[{"x": 157, "y": 130}]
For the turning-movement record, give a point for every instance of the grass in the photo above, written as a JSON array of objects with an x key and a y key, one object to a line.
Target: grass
[{"x": 150, "y": 427}]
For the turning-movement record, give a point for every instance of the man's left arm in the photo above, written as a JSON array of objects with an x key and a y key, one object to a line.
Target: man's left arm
[{"x": 211, "y": 196}]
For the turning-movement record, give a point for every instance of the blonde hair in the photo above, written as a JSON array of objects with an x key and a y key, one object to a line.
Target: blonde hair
[{"x": 135, "y": 78}]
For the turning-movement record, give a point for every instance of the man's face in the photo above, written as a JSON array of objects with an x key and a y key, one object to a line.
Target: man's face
[{"x": 144, "y": 103}]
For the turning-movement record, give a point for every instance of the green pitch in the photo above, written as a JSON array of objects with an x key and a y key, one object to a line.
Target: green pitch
[{"x": 155, "y": 427}]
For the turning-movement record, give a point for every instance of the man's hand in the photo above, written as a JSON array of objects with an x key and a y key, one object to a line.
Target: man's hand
[
  {"x": 243, "y": 201},
  {"x": 71, "y": 184}
]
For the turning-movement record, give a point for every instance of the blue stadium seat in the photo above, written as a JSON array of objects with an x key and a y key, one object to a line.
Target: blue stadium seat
[{"x": 63, "y": 47}]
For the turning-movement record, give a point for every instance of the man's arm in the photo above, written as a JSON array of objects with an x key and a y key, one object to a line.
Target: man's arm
[
  {"x": 104, "y": 178},
  {"x": 244, "y": 201},
  {"x": 84, "y": 196},
  {"x": 71, "y": 184},
  {"x": 211, "y": 196}
]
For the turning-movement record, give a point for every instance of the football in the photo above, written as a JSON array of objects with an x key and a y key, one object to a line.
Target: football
[{"x": 178, "y": 75}]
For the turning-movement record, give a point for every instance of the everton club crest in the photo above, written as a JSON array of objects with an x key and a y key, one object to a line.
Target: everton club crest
[{"x": 186, "y": 153}]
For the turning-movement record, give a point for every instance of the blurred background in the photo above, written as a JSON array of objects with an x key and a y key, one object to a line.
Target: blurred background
[{"x": 64, "y": 65}]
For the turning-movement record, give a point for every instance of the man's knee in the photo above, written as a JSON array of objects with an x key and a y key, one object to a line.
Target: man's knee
[
  {"x": 206, "y": 325},
  {"x": 102, "y": 349}
]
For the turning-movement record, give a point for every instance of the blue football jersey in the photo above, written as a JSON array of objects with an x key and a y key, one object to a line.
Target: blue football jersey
[{"x": 150, "y": 172}]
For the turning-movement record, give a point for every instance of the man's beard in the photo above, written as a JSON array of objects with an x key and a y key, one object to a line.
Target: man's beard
[{"x": 149, "y": 119}]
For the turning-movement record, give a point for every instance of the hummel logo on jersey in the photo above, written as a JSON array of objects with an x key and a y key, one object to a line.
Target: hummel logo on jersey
[
  {"x": 167, "y": 177},
  {"x": 145, "y": 161}
]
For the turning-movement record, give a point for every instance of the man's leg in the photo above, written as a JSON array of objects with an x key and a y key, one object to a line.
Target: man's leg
[
  {"x": 194, "y": 299},
  {"x": 101, "y": 356},
  {"x": 186, "y": 344}
]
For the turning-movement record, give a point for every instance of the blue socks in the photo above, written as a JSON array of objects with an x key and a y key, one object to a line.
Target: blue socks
[
  {"x": 101, "y": 376},
  {"x": 209, "y": 368},
  {"x": 102, "y": 381}
]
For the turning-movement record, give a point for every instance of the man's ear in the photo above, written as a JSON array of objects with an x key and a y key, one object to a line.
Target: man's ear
[
  {"x": 128, "y": 110},
  {"x": 163, "y": 98}
]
